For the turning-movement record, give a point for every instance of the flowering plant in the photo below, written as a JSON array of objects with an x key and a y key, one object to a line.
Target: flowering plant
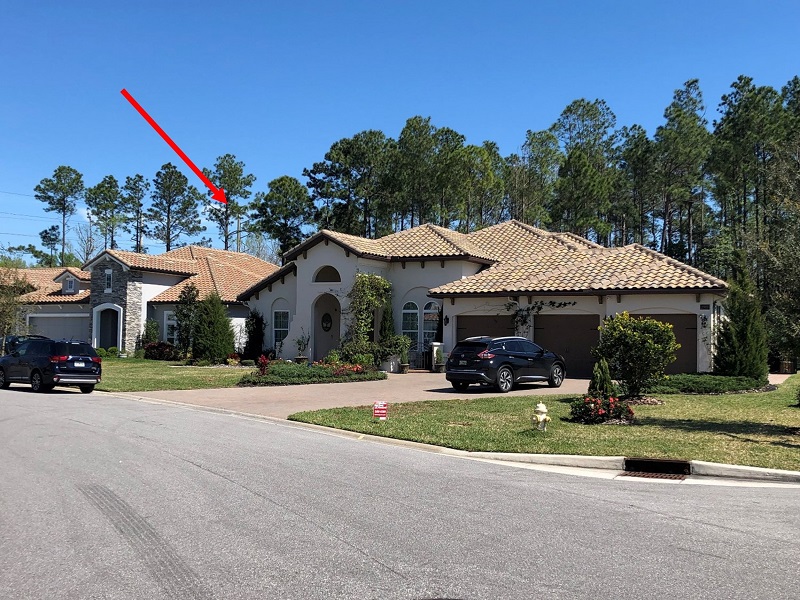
[
  {"x": 599, "y": 410},
  {"x": 263, "y": 365}
]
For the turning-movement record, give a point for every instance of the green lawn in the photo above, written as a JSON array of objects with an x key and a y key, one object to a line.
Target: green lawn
[
  {"x": 139, "y": 375},
  {"x": 757, "y": 429}
]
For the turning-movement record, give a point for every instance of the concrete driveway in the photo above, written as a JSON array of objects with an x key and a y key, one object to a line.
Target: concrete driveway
[{"x": 282, "y": 401}]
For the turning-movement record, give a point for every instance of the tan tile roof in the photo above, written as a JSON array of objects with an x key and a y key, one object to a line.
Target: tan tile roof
[
  {"x": 48, "y": 291},
  {"x": 221, "y": 271},
  {"x": 162, "y": 263},
  {"x": 76, "y": 273},
  {"x": 425, "y": 241},
  {"x": 586, "y": 270}
]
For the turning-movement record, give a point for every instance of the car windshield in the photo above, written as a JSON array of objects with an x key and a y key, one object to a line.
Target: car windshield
[{"x": 74, "y": 349}]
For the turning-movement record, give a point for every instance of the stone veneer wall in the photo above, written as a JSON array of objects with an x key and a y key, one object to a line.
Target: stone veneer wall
[{"x": 126, "y": 292}]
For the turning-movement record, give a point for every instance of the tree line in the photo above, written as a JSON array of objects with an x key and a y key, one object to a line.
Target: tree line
[{"x": 695, "y": 189}]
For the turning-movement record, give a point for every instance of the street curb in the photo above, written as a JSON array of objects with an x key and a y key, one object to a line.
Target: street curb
[
  {"x": 707, "y": 469},
  {"x": 611, "y": 463}
]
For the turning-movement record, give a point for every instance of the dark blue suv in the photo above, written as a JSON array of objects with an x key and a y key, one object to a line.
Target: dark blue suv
[
  {"x": 502, "y": 362},
  {"x": 45, "y": 363}
]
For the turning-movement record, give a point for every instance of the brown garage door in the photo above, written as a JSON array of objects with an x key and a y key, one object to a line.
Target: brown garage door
[
  {"x": 685, "y": 328},
  {"x": 491, "y": 325},
  {"x": 572, "y": 336}
]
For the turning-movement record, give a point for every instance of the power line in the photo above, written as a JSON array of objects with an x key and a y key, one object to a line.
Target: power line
[{"x": 17, "y": 194}]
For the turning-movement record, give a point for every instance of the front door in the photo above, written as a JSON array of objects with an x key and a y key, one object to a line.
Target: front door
[{"x": 327, "y": 325}]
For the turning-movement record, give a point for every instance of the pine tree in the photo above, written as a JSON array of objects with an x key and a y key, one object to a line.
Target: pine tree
[{"x": 742, "y": 340}]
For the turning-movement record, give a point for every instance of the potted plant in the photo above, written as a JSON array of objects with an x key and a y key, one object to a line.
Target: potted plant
[
  {"x": 438, "y": 361},
  {"x": 302, "y": 342},
  {"x": 403, "y": 344}
]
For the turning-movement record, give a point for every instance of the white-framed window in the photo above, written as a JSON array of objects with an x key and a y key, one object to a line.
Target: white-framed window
[
  {"x": 109, "y": 280},
  {"x": 280, "y": 327},
  {"x": 170, "y": 327},
  {"x": 70, "y": 285},
  {"x": 410, "y": 324}
]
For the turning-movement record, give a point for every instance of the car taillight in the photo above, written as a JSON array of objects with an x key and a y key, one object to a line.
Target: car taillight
[
  {"x": 485, "y": 355},
  {"x": 97, "y": 359},
  {"x": 58, "y": 359}
]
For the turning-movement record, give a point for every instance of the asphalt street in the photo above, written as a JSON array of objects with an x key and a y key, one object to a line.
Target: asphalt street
[{"x": 108, "y": 497}]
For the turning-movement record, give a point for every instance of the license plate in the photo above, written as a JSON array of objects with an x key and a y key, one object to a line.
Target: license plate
[
  {"x": 462, "y": 362},
  {"x": 79, "y": 363}
]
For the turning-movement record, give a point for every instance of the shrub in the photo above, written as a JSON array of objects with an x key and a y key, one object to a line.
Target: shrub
[
  {"x": 213, "y": 336},
  {"x": 333, "y": 357},
  {"x": 186, "y": 317},
  {"x": 113, "y": 352},
  {"x": 203, "y": 363},
  {"x": 637, "y": 350},
  {"x": 703, "y": 383},
  {"x": 101, "y": 352},
  {"x": 601, "y": 384},
  {"x": 161, "y": 351},
  {"x": 151, "y": 332},
  {"x": 365, "y": 360},
  {"x": 247, "y": 362},
  {"x": 279, "y": 372},
  {"x": 742, "y": 340},
  {"x": 591, "y": 411},
  {"x": 353, "y": 349},
  {"x": 139, "y": 353},
  {"x": 263, "y": 365},
  {"x": 254, "y": 328}
]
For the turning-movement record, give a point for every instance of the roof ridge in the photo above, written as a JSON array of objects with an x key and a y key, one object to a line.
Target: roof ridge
[
  {"x": 435, "y": 229},
  {"x": 211, "y": 274}
]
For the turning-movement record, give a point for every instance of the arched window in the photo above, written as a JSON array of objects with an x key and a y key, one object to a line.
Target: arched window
[
  {"x": 430, "y": 323},
  {"x": 411, "y": 323},
  {"x": 327, "y": 274}
]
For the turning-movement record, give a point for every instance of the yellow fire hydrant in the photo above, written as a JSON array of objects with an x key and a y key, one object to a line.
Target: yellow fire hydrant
[{"x": 540, "y": 418}]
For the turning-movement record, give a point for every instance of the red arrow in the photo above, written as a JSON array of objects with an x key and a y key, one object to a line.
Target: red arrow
[{"x": 217, "y": 193}]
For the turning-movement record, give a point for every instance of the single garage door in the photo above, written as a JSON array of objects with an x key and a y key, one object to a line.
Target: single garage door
[
  {"x": 685, "y": 329},
  {"x": 61, "y": 327},
  {"x": 572, "y": 336},
  {"x": 491, "y": 325}
]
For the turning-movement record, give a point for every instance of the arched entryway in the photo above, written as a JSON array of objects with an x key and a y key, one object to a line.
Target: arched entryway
[
  {"x": 107, "y": 326},
  {"x": 327, "y": 325}
]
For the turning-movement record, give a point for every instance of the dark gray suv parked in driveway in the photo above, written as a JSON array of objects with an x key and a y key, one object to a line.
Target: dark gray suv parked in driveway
[
  {"x": 45, "y": 363},
  {"x": 502, "y": 362}
]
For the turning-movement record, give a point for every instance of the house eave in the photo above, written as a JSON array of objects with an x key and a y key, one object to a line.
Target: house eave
[{"x": 587, "y": 292}]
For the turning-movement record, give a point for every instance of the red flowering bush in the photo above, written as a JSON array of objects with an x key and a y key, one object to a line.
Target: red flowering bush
[
  {"x": 263, "y": 365},
  {"x": 591, "y": 411}
]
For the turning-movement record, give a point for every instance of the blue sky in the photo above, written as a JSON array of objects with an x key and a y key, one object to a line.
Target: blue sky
[{"x": 276, "y": 83}]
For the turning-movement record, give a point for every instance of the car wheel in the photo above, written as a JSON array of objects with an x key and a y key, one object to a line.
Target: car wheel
[
  {"x": 87, "y": 389},
  {"x": 3, "y": 383},
  {"x": 459, "y": 386},
  {"x": 556, "y": 376},
  {"x": 37, "y": 384},
  {"x": 505, "y": 380}
]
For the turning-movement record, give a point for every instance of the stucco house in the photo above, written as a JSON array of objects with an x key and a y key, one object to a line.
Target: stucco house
[
  {"x": 109, "y": 299},
  {"x": 482, "y": 283}
]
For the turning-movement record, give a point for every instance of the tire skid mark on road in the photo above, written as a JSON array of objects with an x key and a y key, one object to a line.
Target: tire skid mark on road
[
  {"x": 329, "y": 532},
  {"x": 166, "y": 566}
]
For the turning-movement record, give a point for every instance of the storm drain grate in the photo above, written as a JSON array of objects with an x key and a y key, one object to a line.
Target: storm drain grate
[{"x": 676, "y": 476}]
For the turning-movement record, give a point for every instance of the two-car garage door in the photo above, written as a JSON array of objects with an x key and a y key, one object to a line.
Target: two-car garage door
[{"x": 574, "y": 336}]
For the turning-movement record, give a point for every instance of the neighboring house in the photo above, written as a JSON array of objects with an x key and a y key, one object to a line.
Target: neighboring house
[
  {"x": 108, "y": 301},
  {"x": 59, "y": 305},
  {"x": 482, "y": 281}
]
